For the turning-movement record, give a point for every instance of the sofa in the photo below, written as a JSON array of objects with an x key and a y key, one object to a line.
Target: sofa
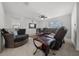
[
  {"x": 12, "y": 41},
  {"x": 46, "y": 30}
]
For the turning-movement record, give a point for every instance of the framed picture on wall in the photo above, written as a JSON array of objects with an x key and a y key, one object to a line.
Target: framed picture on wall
[{"x": 32, "y": 25}]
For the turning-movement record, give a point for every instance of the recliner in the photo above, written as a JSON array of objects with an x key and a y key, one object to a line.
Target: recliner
[
  {"x": 59, "y": 38},
  {"x": 55, "y": 45}
]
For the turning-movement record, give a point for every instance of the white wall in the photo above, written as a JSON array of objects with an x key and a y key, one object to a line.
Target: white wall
[
  {"x": 74, "y": 24},
  {"x": 19, "y": 13},
  {"x": 1, "y": 16},
  {"x": 75, "y": 15},
  {"x": 24, "y": 23},
  {"x": 1, "y": 23},
  {"x": 77, "y": 40},
  {"x": 65, "y": 19}
]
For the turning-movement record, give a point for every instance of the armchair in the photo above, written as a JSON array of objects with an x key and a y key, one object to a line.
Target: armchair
[{"x": 54, "y": 45}]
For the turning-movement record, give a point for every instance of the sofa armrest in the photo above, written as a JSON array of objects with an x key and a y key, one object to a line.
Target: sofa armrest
[
  {"x": 7, "y": 35},
  {"x": 9, "y": 40}
]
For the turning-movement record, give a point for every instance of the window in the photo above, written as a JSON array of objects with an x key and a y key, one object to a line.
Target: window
[{"x": 55, "y": 24}]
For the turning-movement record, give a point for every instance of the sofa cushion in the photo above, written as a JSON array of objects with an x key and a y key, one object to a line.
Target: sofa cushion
[
  {"x": 21, "y": 31},
  {"x": 19, "y": 38}
]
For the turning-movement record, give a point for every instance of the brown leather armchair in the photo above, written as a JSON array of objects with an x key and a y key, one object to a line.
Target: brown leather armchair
[{"x": 54, "y": 45}]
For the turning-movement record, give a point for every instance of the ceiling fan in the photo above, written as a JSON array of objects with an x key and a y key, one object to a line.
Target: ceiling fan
[{"x": 43, "y": 17}]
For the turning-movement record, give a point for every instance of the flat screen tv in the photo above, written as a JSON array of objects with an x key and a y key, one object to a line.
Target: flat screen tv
[{"x": 32, "y": 25}]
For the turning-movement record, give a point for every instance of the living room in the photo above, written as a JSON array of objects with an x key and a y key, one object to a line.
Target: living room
[{"x": 36, "y": 18}]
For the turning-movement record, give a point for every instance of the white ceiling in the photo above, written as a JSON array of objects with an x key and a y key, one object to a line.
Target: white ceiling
[
  {"x": 49, "y": 9},
  {"x": 19, "y": 9},
  {"x": 52, "y": 9}
]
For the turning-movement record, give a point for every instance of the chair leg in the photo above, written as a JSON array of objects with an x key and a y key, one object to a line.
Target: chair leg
[
  {"x": 46, "y": 52},
  {"x": 35, "y": 51}
]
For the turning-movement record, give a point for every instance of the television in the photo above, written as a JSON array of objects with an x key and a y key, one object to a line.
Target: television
[{"x": 32, "y": 25}]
